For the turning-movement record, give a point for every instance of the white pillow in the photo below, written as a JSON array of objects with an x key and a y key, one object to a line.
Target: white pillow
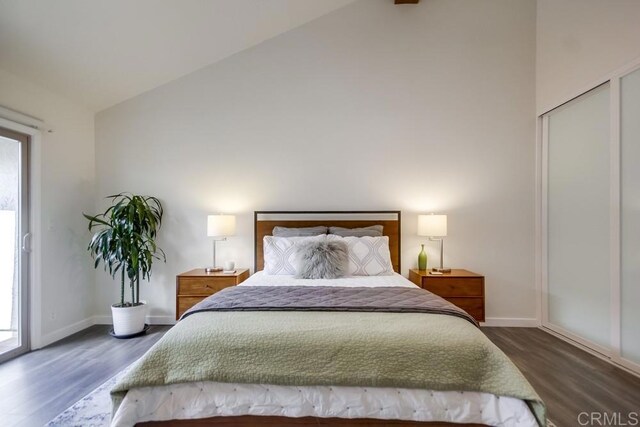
[
  {"x": 280, "y": 253},
  {"x": 368, "y": 256}
]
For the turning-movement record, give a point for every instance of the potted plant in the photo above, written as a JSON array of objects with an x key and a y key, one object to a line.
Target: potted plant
[{"x": 124, "y": 241}]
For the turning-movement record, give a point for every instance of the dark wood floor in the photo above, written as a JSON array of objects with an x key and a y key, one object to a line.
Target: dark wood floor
[
  {"x": 36, "y": 387},
  {"x": 568, "y": 379}
]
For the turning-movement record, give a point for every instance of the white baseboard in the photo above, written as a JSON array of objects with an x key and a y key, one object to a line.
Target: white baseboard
[
  {"x": 151, "y": 320},
  {"x": 61, "y": 333},
  {"x": 170, "y": 320},
  {"x": 57, "y": 335},
  {"x": 511, "y": 322}
]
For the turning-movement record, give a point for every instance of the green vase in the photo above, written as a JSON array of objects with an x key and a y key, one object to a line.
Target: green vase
[{"x": 422, "y": 259}]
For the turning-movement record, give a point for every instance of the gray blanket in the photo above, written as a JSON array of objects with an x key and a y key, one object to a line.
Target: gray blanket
[{"x": 327, "y": 298}]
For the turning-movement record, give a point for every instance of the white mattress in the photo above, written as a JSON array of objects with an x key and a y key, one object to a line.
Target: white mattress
[{"x": 210, "y": 399}]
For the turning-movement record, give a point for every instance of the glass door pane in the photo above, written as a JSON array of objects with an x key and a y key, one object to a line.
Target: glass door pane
[
  {"x": 578, "y": 217},
  {"x": 13, "y": 226},
  {"x": 630, "y": 216}
]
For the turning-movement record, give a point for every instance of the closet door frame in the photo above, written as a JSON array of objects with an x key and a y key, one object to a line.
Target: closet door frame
[{"x": 611, "y": 353}]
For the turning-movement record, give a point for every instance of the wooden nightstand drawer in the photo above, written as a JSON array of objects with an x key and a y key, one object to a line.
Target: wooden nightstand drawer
[
  {"x": 185, "y": 303},
  {"x": 204, "y": 285},
  {"x": 195, "y": 285},
  {"x": 460, "y": 287},
  {"x": 454, "y": 286},
  {"x": 473, "y": 306}
]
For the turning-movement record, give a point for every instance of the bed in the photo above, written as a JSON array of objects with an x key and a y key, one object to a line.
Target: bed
[{"x": 356, "y": 350}]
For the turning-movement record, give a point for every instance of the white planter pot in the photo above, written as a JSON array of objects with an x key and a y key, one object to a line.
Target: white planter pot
[{"x": 128, "y": 320}]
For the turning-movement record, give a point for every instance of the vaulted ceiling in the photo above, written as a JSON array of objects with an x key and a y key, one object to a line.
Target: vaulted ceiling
[{"x": 102, "y": 52}]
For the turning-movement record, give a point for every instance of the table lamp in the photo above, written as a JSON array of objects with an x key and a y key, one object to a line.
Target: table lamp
[
  {"x": 219, "y": 227},
  {"x": 435, "y": 228}
]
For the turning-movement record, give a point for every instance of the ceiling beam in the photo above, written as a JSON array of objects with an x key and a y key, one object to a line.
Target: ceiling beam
[{"x": 407, "y": 1}]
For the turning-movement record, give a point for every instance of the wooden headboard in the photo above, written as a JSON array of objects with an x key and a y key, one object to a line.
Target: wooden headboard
[{"x": 264, "y": 221}]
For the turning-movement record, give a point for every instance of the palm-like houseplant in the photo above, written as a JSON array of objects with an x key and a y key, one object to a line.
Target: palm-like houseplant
[{"x": 124, "y": 242}]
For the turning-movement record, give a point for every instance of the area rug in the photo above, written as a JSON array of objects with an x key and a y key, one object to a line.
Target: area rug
[{"x": 94, "y": 410}]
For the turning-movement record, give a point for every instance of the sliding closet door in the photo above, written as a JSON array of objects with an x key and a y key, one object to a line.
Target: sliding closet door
[
  {"x": 578, "y": 229},
  {"x": 630, "y": 216}
]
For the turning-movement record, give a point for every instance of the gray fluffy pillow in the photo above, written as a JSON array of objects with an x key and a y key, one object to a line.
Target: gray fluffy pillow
[{"x": 322, "y": 260}]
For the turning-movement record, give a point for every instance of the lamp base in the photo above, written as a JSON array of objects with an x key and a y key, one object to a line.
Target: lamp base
[
  {"x": 212, "y": 269},
  {"x": 441, "y": 270}
]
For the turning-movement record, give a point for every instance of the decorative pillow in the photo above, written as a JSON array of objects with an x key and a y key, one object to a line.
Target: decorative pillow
[
  {"x": 279, "y": 253},
  {"x": 321, "y": 260},
  {"x": 295, "y": 232},
  {"x": 373, "y": 231},
  {"x": 368, "y": 256}
]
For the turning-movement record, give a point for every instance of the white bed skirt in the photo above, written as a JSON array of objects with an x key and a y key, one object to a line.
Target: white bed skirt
[{"x": 210, "y": 399}]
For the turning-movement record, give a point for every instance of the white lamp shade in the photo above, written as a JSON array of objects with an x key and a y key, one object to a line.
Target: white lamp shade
[
  {"x": 432, "y": 225},
  {"x": 221, "y": 225}
]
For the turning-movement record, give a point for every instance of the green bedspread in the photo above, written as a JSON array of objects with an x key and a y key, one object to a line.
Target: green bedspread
[{"x": 405, "y": 350}]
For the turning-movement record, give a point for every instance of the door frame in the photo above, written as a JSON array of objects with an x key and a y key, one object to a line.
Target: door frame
[
  {"x": 23, "y": 231},
  {"x": 34, "y": 128}
]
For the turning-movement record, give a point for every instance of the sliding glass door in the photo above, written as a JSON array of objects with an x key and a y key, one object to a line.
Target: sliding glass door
[{"x": 14, "y": 236}]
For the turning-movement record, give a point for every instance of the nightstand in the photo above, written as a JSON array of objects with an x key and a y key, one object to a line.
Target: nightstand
[
  {"x": 195, "y": 285},
  {"x": 460, "y": 287}
]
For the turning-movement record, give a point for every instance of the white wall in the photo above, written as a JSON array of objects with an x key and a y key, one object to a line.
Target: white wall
[
  {"x": 374, "y": 106},
  {"x": 580, "y": 42},
  {"x": 66, "y": 186}
]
